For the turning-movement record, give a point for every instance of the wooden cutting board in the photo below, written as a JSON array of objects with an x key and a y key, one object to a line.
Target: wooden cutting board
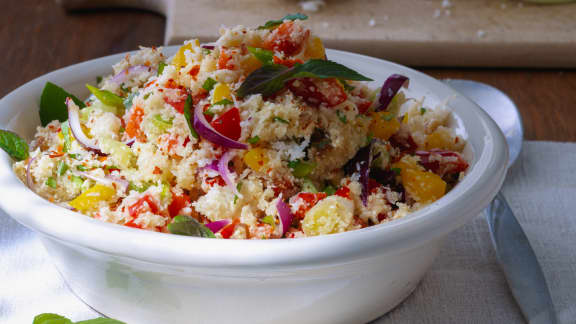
[{"x": 498, "y": 33}]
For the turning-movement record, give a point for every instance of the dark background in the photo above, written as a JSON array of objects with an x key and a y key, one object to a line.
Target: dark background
[{"x": 38, "y": 36}]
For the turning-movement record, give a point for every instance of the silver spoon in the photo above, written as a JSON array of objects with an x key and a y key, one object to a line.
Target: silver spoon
[{"x": 513, "y": 250}]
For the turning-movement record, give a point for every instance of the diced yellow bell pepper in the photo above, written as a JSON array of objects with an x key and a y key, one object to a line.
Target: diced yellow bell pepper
[
  {"x": 179, "y": 60},
  {"x": 256, "y": 159},
  {"x": 315, "y": 49},
  {"x": 221, "y": 91},
  {"x": 384, "y": 125},
  {"x": 90, "y": 199}
]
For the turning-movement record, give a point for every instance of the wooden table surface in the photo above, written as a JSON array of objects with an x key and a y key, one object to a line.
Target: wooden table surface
[{"x": 38, "y": 36}]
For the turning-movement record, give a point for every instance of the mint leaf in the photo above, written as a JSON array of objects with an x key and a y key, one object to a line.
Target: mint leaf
[
  {"x": 186, "y": 225},
  {"x": 49, "y": 318},
  {"x": 271, "y": 78},
  {"x": 107, "y": 97},
  {"x": 161, "y": 67},
  {"x": 209, "y": 84},
  {"x": 101, "y": 320},
  {"x": 324, "y": 69},
  {"x": 267, "y": 80},
  {"x": 274, "y": 23},
  {"x": 188, "y": 115},
  {"x": 12, "y": 144},
  {"x": 264, "y": 56},
  {"x": 53, "y": 104}
]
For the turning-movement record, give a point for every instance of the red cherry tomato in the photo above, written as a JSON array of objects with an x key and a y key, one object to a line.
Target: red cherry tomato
[{"x": 228, "y": 124}]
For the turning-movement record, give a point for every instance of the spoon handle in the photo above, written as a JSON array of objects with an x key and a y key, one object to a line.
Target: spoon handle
[{"x": 519, "y": 263}]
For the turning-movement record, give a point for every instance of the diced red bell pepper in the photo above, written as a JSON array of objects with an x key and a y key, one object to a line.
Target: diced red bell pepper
[{"x": 228, "y": 124}]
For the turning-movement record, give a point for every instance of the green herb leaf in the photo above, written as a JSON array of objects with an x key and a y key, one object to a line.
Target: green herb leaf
[
  {"x": 396, "y": 170},
  {"x": 267, "y": 80},
  {"x": 161, "y": 67},
  {"x": 341, "y": 116},
  {"x": 271, "y": 78},
  {"x": 146, "y": 96},
  {"x": 235, "y": 199},
  {"x": 49, "y": 318},
  {"x": 281, "y": 120},
  {"x": 142, "y": 188},
  {"x": 101, "y": 320},
  {"x": 98, "y": 79},
  {"x": 274, "y": 23},
  {"x": 186, "y": 225},
  {"x": 81, "y": 168},
  {"x": 268, "y": 220},
  {"x": 253, "y": 140},
  {"x": 74, "y": 156},
  {"x": 62, "y": 168},
  {"x": 422, "y": 111},
  {"x": 224, "y": 101},
  {"x": 12, "y": 144},
  {"x": 263, "y": 55},
  {"x": 53, "y": 104},
  {"x": 387, "y": 117},
  {"x": 123, "y": 88},
  {"x": 76, "y": 180},
  {"x": 301, "y": 169},
  {"x": 161, "y": 124},
  {"x": 188, "y": 115},
  {"x": 106, "y": 97},
  {"x": 209, "y": 84},
  {"x": 51, "y": 182}
]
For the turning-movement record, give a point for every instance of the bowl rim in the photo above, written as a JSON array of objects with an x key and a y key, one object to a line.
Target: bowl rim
[{"x": 482, "y": 182}]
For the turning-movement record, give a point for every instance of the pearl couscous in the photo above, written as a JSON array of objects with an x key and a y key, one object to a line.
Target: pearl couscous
[{"x": 255, "y": 136}]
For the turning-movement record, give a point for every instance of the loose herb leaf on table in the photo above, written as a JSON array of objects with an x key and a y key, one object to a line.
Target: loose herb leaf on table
[
  {"x": 15, "y": 146},
  {"x": 270, "y": 24}
]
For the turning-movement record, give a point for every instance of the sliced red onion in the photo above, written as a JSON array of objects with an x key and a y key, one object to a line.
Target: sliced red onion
[
  {"x": 107, "y": 180},
  {"x": 224, "y": 171},
  {"x": 29, "y": 180},
  {"x": 129, "y": 73},
  {"x": 212, "y": 166},
  {"x": 285, "y": 214},
  {"x": 130, "y": 141},
  {"x": 217, "y": 225},
  {"x": 361, "y": 163},
  {"x": 390, "y": 88},
  {"x": 206, "y": 131},
  {"x": 209, "y": 46},
  {"x": 76, "y": 128}
]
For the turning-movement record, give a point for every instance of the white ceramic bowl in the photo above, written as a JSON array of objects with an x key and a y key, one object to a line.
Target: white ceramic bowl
[{"x": 145, "y": 277}]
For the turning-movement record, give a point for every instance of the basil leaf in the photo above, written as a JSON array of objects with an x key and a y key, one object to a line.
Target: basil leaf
[
  {"x": 273, "y": 23},
  {"x": 264, "y": 56},
  {"x": 53, "y": 104},
  {"x": 101, "y": 320},
  {"x": 188, "y": 115},
  {"x": 267, "y": 80},
  {"x": 186, "y": 225},
  {"x": 107, "y": 97},
  {"x": 49, "y": 318},
  {"x": 323, "y": 69},
  {"x": 209, "y": 84},
  {"x": 12, "y": 144},
  {"x": 161, "y": 67}
]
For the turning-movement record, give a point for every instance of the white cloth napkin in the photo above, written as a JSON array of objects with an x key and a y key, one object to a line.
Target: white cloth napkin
[{"x": 465, "y": 284}]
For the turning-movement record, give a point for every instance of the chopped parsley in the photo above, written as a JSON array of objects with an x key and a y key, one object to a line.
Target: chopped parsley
[{"x": 281, "y": 120}]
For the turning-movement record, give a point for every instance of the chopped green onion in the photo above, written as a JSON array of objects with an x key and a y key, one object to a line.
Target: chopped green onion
[
  {"x": 81, "y": 168},
  {"x": 329, "y": 190},
  {"x": 209, "y": 84},
  {"x": 146, "y": 96},
  {"x": 253, "y": 140},
  {"x": 300, "y": 169},
  {"x": 281, "y": 120},
  {"x": 51, "y": 182},
  {"x": 76, "y": 180},
  {"x": 106, "y": 97},
  {"x": 161, "y": 124},
  {"x": 268, "y": 220},
  {"x": 223, "y": 102},
  {"x": 66, "y": 135},
  {"x": 161, "y": 67},
  {"x": 62, "y": 168}
]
